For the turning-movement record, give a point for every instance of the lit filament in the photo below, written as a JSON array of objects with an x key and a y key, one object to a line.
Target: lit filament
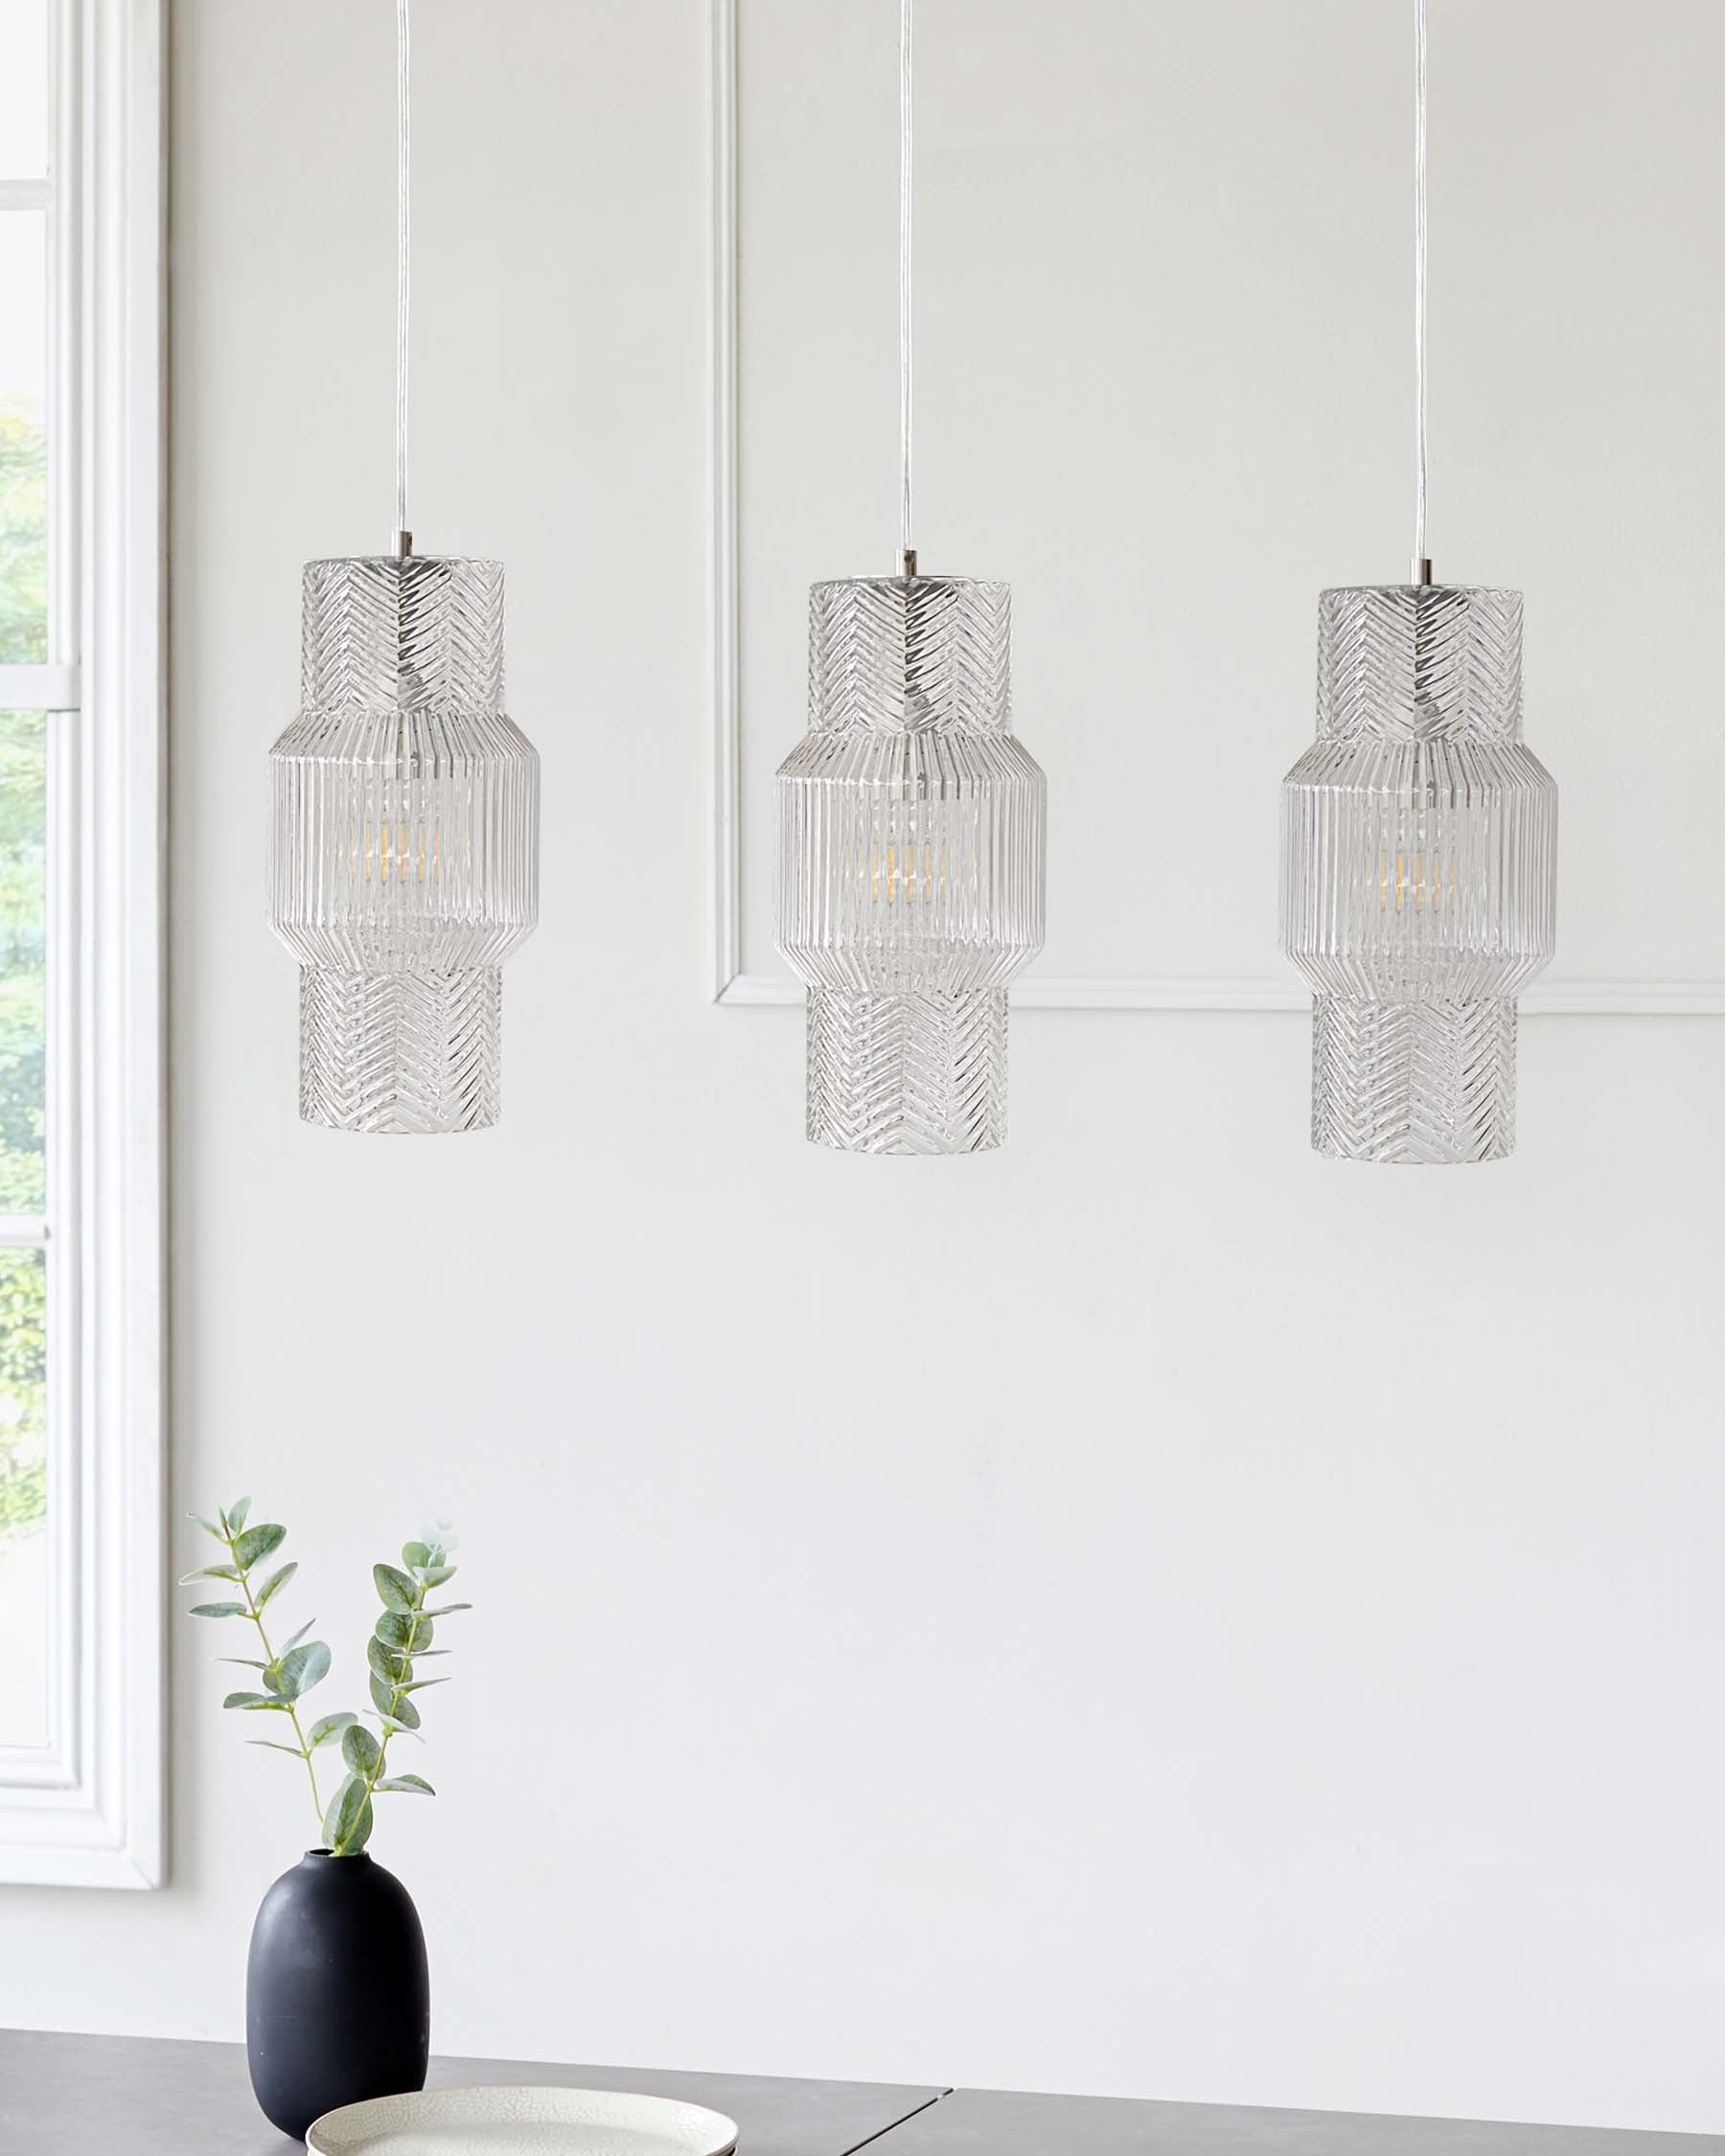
[
  {"x": 400, "y": 851},
  {"x": 1415, "y": 882},
  {"x": 906, "y": 872}
]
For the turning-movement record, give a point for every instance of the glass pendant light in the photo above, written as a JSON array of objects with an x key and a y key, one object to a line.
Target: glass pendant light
[
  {"x": 911, "y": 834},
  {"x": 404, "y": 829},
  {"x": 1419, "y": 845}
]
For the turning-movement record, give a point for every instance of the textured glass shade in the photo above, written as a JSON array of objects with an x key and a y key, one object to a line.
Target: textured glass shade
[
  {"x": 911, "y": 863},
  {"x": 1419, "y": 859},
  {"x": 404, "y": 843}
]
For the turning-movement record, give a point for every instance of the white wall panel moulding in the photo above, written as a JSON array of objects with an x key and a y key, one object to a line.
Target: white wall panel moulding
[{"x": 728, "y": 983}]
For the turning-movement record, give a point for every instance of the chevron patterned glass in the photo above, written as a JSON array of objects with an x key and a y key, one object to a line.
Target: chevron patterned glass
[
  {"x": 911, "y": 863},
  {"x": 1420, "y": 873},
  {"x": 404, "y": 843}
]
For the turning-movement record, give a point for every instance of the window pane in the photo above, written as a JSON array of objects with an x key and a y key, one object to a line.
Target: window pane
[
  {"x": 23, "y": 957},
  {"x": 23, "y": 1498},
  {"x": 23, "y": 438},
  {"x": 23, "y": 89},
  {"x": 23, "y": 833}
]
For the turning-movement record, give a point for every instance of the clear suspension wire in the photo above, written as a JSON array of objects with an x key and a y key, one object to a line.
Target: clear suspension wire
[
  {"x": 402, "y": 534},
  {"x": 1422, "y": 568},
  {"x": 907, "y": 551}
]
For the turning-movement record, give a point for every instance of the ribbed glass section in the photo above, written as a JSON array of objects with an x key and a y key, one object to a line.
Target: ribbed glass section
[
  {"x": 911, "y": 874},
  {"x": 1419, "y": 851},
  {"x": 404, "y": 843}
]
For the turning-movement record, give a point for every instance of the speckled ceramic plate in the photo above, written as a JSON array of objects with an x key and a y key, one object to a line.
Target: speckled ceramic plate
[{"x": 521, "y": 2122}]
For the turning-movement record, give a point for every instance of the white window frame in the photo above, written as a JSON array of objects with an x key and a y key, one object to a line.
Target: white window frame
[{"x": 87, "y": 1810}]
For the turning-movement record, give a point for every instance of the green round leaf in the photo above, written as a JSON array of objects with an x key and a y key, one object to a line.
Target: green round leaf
[
  {"x": 395, "y": 1590},
  {"x": 414, "y": 1555},
  {"x": 248, "y": 1699},
  {"x": 348, "y": 1821},
  {"x": 218, "y": 1608},
  {"x": 236, "y": 1518},
  {"x": 290, "y": 1675},
  {"x": 385, "y": 1660},
  {"x": 256, "y": 1544},
  {"x": 408, "y": 1783},
  {"x": 274, "y": 1584},
  {"x": 360, "y": 1749},
  {"x": 210, "y": 1572},
  {"x": 394, "y": 1629},
  {"x": 331, "y": 1727}
]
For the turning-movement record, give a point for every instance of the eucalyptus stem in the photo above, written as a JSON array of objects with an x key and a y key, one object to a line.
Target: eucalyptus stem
[
  {"x": 398, "y": 1691},
  {"x": 404, "y": 1631},
  {"x": 256, "y": 1615}
]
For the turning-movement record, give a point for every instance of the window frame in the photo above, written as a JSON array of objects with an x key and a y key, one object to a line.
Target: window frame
[{"x": 87, "y": 1810}]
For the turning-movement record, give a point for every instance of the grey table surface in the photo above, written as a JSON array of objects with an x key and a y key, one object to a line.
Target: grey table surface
[
  {"x": 134, "y": 2096},
  {"x": 141, "y": 2096},
  {"x": 994, "y": 2122}
]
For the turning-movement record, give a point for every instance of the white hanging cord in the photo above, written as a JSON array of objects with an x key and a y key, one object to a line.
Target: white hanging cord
[
  {"x": 1422, "y": 567},
  {"x": 906, "y": 552},
  {"x": 403, "y": 536}
]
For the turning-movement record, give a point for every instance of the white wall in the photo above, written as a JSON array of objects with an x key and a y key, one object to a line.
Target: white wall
[{"x": 1149, "y": 1612}]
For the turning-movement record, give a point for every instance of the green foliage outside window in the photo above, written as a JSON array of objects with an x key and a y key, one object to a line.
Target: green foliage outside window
[
  {"x": 23, "y": 1393},
  {"x": 23, "y": 534},
  {"x": 23, "y": 831}
]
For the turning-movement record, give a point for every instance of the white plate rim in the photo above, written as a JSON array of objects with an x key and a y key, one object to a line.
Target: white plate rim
[{"x": 638, "y": 2107}]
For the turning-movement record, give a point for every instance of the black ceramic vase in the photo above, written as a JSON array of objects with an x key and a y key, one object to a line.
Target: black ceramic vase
[{"x": 338, "y": 1996}]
